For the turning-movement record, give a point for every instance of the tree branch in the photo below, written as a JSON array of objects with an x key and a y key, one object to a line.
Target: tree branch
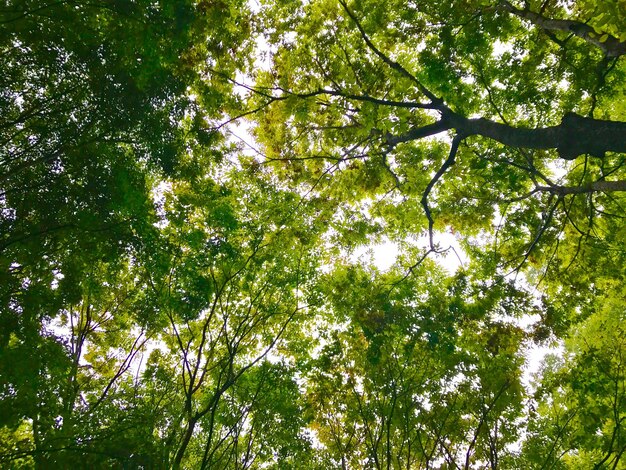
[
  {"x": 575, "y": 135},
  {"x": 364, "y": 98},
  {"x": 437, "y": 102},
  {"x": 447, "y": 164},
  {"x": 611, "y": 46},
  {"x": 596, "y": 186},
  {"x": 419, "y": 132}
]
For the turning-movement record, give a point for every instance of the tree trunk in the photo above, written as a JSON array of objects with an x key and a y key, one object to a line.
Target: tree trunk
[{"x": 180, "y": 453}]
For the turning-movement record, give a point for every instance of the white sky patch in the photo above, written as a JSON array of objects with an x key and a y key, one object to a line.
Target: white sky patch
[
  {"x": 467, "y": 79},
  {"x": 499, "y": 48},
  {"x": 385, "y": 254},
  {"x": 240, "y": 133},
  {"x": 58, "y": 276},
  {"x": 254, "y": 5},
  {"x": 382, "y": 255},
  {"x": 559, "y": 168},
  {"x": 454, "y": 257},
  {"x": 535, "y": 356}
]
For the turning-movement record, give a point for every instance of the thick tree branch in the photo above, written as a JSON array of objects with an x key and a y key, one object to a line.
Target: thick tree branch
[
  {"x": 574, "y": 136},
  {"x": 596, "y": 186},
  {"x": 611, "y": 46}
]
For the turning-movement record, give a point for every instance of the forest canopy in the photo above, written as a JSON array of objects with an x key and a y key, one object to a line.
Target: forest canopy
[{"x": 193, "y": 197}]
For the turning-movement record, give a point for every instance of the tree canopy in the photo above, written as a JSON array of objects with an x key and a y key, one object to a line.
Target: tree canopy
[{"x": 188, "y": 193}]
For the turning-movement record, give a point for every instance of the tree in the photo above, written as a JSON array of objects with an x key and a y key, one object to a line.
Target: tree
[
  {"x": 97, "y": 109},
  {"x": 381, "y": 82},
  {"x": 92, "y": 108},
  {"x": 231, "y": 289},
  {"x": 421, "y": 372},
  {"x": 581, "y": 399},
  {"x": 530, "y": 173},
  {"x": 173, "y": 297}
]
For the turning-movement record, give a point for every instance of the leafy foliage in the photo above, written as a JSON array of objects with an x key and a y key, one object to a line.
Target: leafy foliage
[{"x": 176, "y": 295}]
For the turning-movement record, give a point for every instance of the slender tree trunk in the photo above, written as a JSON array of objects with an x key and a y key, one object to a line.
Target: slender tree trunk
[
  {"x": 38, "y": 456},
  {"x": 182, "y": 448}
]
